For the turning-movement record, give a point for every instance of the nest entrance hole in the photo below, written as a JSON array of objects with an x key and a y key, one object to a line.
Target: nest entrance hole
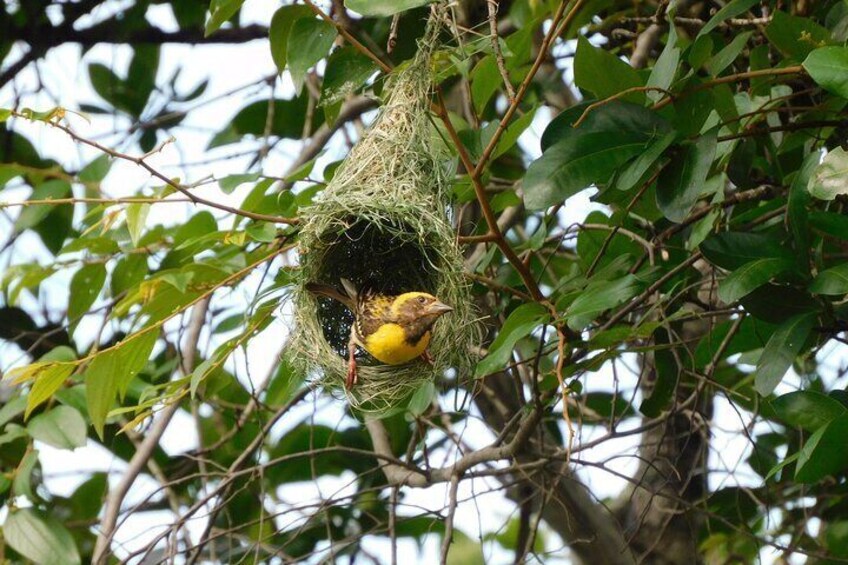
[{"x": 388, "y": 259}]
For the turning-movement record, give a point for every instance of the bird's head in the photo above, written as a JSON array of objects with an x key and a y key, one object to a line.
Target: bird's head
[{"x": 418, "y": 311}]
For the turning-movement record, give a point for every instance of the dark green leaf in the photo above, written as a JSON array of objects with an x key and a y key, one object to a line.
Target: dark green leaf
[
  {"x": 824, "y": 452},
  {"x": 610, "y": 136},
  {"x": 732, "y": 250},
  {"x": 795, "y": 36},
  {"x": 229, "y": 183},
  {"x": 751, "y": 276},
  {"x": 309, "y": 41},
  {"x": 833, "y": 281},
  {"x": 603, "y": 74},
  {"x": 807, "y": 409},
  {"x": 347, "y": 70},
  {"x": 730, "y": 10},
  {"x": 781, "y": 350},
  {"x": 681, "y": 183},
  {"x": 667, "y": 376},
  {"x": 281, "y": 24},
  {"x": 729, "y": 54},
  {"x": 599, "y": 296},
  {"x": 382, "y": 8}
]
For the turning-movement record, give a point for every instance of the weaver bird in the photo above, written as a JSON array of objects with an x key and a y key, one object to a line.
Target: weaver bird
[{"x": 393, "y": 329}]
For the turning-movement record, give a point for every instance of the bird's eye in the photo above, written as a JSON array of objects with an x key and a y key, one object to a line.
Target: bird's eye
[{"x": 421, "y": 300}]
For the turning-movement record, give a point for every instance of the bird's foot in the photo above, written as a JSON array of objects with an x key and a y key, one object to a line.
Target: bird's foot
[
  {"x": 427, "y": 358},
  {"x": 352, "y": 376}
]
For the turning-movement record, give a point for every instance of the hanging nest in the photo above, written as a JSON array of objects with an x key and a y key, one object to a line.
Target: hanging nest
[{"x": 383, "y": 222}]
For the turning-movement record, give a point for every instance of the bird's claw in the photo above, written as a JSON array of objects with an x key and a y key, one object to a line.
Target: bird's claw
[
  {"x": 352, "y": 376},
  {"x": 427, "y": 358}
]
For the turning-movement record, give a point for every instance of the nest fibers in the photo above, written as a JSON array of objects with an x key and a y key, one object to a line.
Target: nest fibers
[{"x": 383, "y": 222}]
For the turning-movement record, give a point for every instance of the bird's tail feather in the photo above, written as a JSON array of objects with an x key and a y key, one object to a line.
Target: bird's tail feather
[{"x": 332, "y": 292}]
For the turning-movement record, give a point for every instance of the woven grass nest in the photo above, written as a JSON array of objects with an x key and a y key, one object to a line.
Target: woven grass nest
[{"x": 384, "y": 222}]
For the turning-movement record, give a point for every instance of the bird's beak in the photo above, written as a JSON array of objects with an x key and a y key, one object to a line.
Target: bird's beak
[{"x": 439, "y": 308}]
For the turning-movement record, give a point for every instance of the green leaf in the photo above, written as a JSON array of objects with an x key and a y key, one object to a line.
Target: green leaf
[
  {"x": 219, "y": 12},
  {"x": 49, "y": 377},
  {"x": 309, "y": 41},
  {"x": 667, "y": 376},
  {"x": 22, "y": 483},
  {"x": 382, "y": 8},
  {"x": 797, "y": 207},
  {"x": 730, "y": 10},
  {"x": 635, "y": 171},
  {"x": 750, "y": 276},
  {"x": 422, "y": 399},
  {"x": 229, "y": 183},
  {"x": 806, "y": 409},
  {"x": 828, "y": 66},
  {"x": 287, "y": 121},
  {"x": 40, "y": 538},
  {"x": 278, "y": 35},
  {"x": 111, "y": 371},
  {"x": 579, "y": 157},
  {"x": 833, "y": 281},
  {"x": 262, "y": 231},
  {"x": 680, "y": 184},
  {"x": 518, "y": 324},
  {"x": 4, "y": 114},
  {"x": 781, "y": 350},
  {"x": 795, "y": 36},
  {"x": 665, "y": 69},
  {"x": 136, "y": 219},
  {"x": 732, "y": 250},
  {"x": 485, "y": 81},
  {"x": 824, "y": 452},
  {"x": 599, "y": 296},
  {"x": 728, "y": 55},
  {"x": 836, "y": 537},
  {"x": 62, "y": 427},
  {"x": 33, "y": 214},
  {"x": 86, "y": 285},
  {"x": 830, "y": 179},
  {"x": 603, "y": 74},
  {"x": 830, "y": 223},
  {"x": 347, "y": 70},
  {"x": 128, "y": 272}
]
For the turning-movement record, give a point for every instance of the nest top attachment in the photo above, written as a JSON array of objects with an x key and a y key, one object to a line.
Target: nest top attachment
[{"x": 384, "y": 222}]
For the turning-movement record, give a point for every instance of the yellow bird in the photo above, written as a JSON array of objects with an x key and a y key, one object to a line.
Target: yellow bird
[{"x": 393, "y": 329}]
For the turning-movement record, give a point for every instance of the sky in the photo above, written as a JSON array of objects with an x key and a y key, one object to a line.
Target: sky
[{"x": 66, "y": 84}]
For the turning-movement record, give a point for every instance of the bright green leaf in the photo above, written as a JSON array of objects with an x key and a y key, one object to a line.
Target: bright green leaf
[
  {"x": 830, "y": 179},
  {"x": 518, "y": 324},
  {"x": 828, "y": 66},
  {"x": 136, "y": 219},
  {"x": 219, "y": 12},
  {"x": 40, "y": 538}
]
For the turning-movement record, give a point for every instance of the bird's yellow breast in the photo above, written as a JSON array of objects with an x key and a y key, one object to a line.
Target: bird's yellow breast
[{"x": 388, "y": 345}]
